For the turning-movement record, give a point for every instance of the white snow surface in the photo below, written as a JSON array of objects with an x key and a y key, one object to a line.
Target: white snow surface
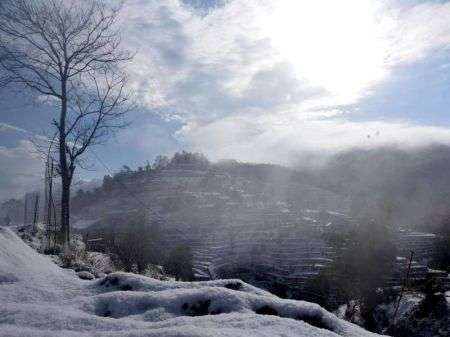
[{"x": 38, "y": 298}]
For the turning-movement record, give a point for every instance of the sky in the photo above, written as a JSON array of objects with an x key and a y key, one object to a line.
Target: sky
[{"x": 260, "y": 81}]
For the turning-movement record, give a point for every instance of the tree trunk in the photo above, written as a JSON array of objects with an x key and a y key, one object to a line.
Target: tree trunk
[
  {"x": 65, "y": 212},
  {"x": 50, "y": 202},
  {"x": 65, "y": 173}
]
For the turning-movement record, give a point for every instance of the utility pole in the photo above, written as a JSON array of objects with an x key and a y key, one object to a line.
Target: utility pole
[{"x": 36, "y": 212}]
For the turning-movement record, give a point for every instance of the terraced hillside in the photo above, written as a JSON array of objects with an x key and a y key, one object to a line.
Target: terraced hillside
[
  {"x": 264, "y": 224},
  {"x": 231, "y": 215}
]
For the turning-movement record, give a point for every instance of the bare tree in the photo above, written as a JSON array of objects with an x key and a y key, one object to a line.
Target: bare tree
[{"x": 68, "y": 51}]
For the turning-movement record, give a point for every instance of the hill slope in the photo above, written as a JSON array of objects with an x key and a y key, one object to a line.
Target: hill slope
[
  {"x": 220, "y": 189},
  {"x": 231, "y": 215}
]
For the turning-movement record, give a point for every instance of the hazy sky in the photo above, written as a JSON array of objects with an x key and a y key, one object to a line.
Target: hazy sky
[{"x": 262, "y": 80}]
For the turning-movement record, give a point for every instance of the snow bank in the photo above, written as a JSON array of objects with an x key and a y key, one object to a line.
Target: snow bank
[{"x": 40, "y": 299}]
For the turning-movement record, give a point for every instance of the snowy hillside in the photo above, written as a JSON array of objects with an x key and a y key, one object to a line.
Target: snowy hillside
[
  {"x": 232, "y": 217},
  {"x": 40, "y": 299}
]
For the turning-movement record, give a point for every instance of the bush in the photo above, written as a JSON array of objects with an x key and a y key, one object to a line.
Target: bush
[
  {"x": 360, "y": 270},
  {"x": 179, "y": 263},
  {"x": 135, "y": 245}
]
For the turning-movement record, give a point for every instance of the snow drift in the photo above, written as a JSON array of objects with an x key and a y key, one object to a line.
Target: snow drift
[{"x": 40, "y": 299}]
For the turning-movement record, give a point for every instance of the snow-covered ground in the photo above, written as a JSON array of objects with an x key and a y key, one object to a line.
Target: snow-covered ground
[{"x": 38, "y": 298}]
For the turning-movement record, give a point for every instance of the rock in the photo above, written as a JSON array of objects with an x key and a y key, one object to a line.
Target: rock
[
  {"x": 80, "y": 266},
  {"x": 233, "y": 285},
  {"x": 266, "y": 310},
  {"x": 85, "y": 275}
]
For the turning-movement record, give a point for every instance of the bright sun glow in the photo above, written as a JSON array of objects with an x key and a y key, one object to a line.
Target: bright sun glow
[{"x": 335, "y": 45}]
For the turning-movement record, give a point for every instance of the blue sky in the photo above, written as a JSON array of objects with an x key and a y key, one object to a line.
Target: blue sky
[{"x": 263, "y": 81}]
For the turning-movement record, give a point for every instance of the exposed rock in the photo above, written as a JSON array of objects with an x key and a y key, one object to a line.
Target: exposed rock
[
  {"x": 266, "y": 310},
  {"x": 85, "y": 275},
  {"x": 80, "y": 266}
]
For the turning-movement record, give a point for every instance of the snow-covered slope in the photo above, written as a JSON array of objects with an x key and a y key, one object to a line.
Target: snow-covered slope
[{"x": 40, "y": 299}]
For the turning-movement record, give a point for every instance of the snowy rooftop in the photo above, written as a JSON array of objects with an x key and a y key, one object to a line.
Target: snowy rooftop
[{"x": 40, "y": 299}]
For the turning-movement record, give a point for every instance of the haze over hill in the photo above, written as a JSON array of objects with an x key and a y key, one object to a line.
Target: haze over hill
[
  {"x": 411, "y": 187},
  {"x": 408, "y": 186}
]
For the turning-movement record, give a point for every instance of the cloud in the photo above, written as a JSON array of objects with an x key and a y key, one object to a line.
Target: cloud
[
  {"x": 151, "y": 138},
  {"x": 285, "y": 139},
  {"x": 227, "y": 50},
  {"x": 228, "y": 79},
  {"x": 196, "y": 65},
  {"x": 22, "y": 170},
  {"x": 235, "y": 95},
  {"x": 418, "y": 30},
  {"x": 8, "y": 127}
]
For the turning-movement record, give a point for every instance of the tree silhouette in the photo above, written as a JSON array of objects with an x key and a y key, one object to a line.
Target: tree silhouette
[{"x": 68, "y": 52}]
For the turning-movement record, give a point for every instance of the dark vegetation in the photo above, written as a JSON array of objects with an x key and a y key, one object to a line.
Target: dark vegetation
[
  {"x": 135, "y": 245},
  {"x": 179, "y": 263},
  {"x": 441, "y": 258},
  {"x": 430, "y": 318},
  {"x": 362, "y": 267}
]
